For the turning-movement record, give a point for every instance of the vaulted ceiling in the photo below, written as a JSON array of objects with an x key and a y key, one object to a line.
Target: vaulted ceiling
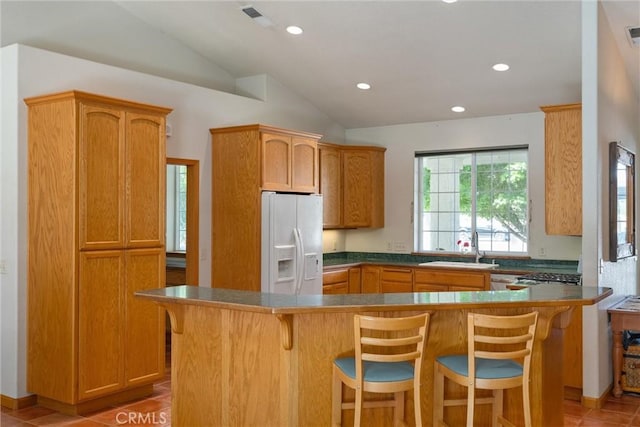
[{"x": 420, "y": 57}]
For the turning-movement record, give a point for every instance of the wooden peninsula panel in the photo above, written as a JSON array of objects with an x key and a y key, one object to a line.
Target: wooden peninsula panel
[{"x": 235, "y": 353}]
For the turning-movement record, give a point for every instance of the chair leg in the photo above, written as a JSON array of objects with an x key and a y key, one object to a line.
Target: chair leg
[
  {"x": 526, "y": 404},
  {"x": 358, "y": 408},
  {"x": 336, "y": 400},
  {"x": 398, "y": 409},
  {"x": 497, "y": 407},
  {"x": 438, "y": 396},
  {"x": 417, "y": 405},
  {"x": 471, "y": 404}
]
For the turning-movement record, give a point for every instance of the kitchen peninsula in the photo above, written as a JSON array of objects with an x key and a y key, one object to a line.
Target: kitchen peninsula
[{"x": 249, "y": 358}]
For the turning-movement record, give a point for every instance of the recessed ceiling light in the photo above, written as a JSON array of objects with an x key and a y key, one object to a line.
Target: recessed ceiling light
[
  {"x": 457, "y": 109},
  {"x": 501, "y": 67},
  {"x": 363, "y": 86},
  {"x": 449, "y": 1},
  {"x": 293, "y": 29}
]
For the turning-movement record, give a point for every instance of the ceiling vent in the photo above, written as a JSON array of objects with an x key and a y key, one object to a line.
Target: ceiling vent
[
  {"x": 633, "y": 34},
  {"x": 252, "y": 13}
]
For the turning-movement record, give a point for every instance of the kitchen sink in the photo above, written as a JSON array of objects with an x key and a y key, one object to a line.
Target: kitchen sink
[{"x": 456, "y": 264}]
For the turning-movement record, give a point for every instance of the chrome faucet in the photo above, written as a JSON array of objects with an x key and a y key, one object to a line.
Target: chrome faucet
[{"x": 476, "y": 247}]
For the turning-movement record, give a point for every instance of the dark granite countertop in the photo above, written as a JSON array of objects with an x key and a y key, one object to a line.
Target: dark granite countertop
[{"x": 505, "y": 265}]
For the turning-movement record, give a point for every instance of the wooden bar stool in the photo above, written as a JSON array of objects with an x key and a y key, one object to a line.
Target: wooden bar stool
[
  {"x": 382, "y": 364},
  {"x": 500, "y": 348}
]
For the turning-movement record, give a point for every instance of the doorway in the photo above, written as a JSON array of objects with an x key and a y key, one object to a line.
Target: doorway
[{"x": 190, "y": 220}]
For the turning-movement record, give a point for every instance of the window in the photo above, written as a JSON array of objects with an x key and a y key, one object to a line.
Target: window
[
  {"x": 459, "y": 194},
  {"x": 176, "y": 208}
]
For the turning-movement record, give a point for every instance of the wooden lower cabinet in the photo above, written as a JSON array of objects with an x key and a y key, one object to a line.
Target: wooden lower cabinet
[
  {"x": 375, "y": 278},
  {"x": 144, "y": 360},
  {"x": 396, "y": 280},
  {"x": 572, "y": 355},
  {"x": 430, "y": 280},
  {"x": 341, "y": 280},
  {"x": 120, "y": 337},
  {"x": 100, "y": 328},
  {"x": 335, "y": 281}
]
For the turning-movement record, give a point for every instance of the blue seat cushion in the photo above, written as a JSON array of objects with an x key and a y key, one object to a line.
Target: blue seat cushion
[
  {"x": 485, "y": 368},
  {"x": 377, "y": 371}
]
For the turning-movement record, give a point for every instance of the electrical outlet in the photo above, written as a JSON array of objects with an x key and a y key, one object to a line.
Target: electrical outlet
[
  {"x": 389, "y": 246},
  {"x": 542, "y": 252},
  {"x": 399, "y": 247},
  {"x": 3, "y": 266}
]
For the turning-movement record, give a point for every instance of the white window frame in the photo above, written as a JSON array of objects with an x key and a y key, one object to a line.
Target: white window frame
[{"x": 419, "y": 192}]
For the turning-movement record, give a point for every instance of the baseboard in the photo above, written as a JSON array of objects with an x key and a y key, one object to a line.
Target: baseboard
[
  {"x": 573, "y": 393},
  {"x": 99, "y": 403},
  {"x": 19, "y": 403},
  {"x": 596, "y": 403}
]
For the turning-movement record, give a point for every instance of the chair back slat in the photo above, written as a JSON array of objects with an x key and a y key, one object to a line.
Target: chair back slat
[
  {"x": 512, "y": 338},
  {"x": 516, "y": 339},
  {"x": 388, "y": 339},
  {"x": 503, "y": 355},
  {"x": 400, "y": 357},
  {"x": 391, "y": 342}
]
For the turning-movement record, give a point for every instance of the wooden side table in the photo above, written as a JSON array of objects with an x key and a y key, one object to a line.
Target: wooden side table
[{"x": 624, "y": 316}]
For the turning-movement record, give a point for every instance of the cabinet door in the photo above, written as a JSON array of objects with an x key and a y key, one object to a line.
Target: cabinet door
[
  {"x": 304, "y": 165},
  {"x": 145, "y": 321},
  {"x": 563, "y": 169},
  {"x": 100, "y": 323},
  {"x": 397, "y": 280},
  {"x": 355, "y": 274},
  {"x": 335, "y": 281},
  {"x": 370, "y": 279},
  {"x": 145, "y": 177},
  {"x": 377, "y": 189},
  {"x": 454, "y": 279},
  {"x": 101, "y": 177},
  {"x": 276, "y": 162},
  {"x": 331, "y": 186},
  {"x": 356, "y": 190},
  {"x": 425, "y": 287}
]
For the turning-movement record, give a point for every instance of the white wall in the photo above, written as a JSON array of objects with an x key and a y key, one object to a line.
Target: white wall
[
  {"x": 29, "y": 72},
  {"x": 402, "y": 141},
  {"x": 610, "y": 113}
]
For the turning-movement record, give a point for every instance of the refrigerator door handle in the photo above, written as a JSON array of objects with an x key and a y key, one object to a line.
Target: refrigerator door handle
[{"x": 300, "y": 259}]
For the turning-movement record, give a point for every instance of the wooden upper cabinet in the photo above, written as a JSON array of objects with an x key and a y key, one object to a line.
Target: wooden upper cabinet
[
  {"x": 356, "y": 188},
  {"x": 304, "y": 165},
  {"x": 563, "y": 169},
  {"x": 145, "y": 177},
  {"x": 276, "y": 155},
  {"x": 352, "y": 185},
  {"x": 101, "y": 177},
  {"x": 289, "y": 161},
  {"x": 331, "y": 185},
  {"x": 121, "y": 178}
]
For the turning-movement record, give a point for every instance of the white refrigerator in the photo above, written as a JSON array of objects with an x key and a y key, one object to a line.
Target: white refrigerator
[{"x": 291, "y": 243}]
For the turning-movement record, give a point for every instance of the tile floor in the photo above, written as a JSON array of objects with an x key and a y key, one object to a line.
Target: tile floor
[
  {"x": 156, "y": 411},
  {"x": 152, "y": 411}
]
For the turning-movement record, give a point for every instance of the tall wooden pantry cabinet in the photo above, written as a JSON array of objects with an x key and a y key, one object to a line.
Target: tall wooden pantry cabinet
[{"x": 96, "y": 235}]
